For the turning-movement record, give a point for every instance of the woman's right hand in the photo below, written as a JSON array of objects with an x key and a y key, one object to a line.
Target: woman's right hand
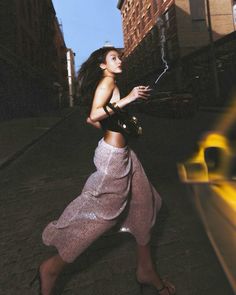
[{"x": 140, "y": 92}]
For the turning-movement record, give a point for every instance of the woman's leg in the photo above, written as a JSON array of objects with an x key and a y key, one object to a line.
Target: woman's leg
[
  {"x": 89, "y": 215},
  {"x": 147, "y": 274},
  {"x": 49, "y": 272}
]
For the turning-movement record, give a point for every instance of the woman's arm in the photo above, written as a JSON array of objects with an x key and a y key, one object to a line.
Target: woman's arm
[
  {"x": 94, "y": 124},
  {"x": 104, "y": 93},
  {"x": 102, "y": 96}
]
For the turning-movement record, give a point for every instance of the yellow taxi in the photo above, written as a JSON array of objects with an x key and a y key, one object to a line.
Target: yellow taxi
[{"x": 211, "y": 174}]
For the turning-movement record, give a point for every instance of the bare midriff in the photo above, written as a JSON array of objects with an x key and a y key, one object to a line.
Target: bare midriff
[{"x": 115, "y": 138}]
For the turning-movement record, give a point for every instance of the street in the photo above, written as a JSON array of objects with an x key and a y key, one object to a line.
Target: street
[{"x": 36, "y": 187}]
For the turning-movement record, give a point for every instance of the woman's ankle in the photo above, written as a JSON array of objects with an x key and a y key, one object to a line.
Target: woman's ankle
[
  {"x": 48, "y": 268},
  {"x": 149, "y": 276},
  {"x": 145, "y": 274}
]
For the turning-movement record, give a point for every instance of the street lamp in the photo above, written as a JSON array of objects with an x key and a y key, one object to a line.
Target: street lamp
[{"x": 108, "y": 44}]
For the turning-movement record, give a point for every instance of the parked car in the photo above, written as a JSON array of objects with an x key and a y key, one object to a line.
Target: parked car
[{"x": 211, "y": 176}]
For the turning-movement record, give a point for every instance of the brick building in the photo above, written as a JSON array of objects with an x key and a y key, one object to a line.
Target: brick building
[
  {"x": 59, "y": 63},
  {"x": 32, "y": 58},
  {"x": 185, "y": 26}
]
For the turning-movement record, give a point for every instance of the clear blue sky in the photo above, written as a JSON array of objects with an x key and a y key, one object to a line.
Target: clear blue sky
[{"x": 87, "y": 25}]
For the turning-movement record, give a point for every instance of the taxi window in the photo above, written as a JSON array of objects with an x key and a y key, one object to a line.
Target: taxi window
[{"x": 231, "y": 135}]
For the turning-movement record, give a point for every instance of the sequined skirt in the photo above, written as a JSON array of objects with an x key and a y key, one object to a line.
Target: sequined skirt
[{"x": 119, "y": 185}]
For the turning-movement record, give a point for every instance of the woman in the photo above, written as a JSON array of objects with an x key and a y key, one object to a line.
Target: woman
[{"x": 118, "y": 185}]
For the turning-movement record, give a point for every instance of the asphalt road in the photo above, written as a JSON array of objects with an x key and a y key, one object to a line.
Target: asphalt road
[{"x": 37, "y": 186}]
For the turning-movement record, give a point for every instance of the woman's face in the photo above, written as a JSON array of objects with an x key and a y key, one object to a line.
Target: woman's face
[{"x": 112, "y": 63}]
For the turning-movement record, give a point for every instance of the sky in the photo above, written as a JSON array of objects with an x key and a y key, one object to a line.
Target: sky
[{"x": 87, "y": 25}]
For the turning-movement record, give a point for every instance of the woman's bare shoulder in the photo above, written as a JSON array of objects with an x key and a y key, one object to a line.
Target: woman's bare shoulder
[{"x": 107, "y": 82}]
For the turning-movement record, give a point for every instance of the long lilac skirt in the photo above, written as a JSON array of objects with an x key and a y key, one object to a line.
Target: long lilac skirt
[{"x": 118, "y": 185}]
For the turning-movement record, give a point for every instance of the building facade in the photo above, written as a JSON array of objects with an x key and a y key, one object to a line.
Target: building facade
[
  {"x": 59, "y": 63},
  {"x": 169, "y": 29},
  {"x": 30, "y": 62}
]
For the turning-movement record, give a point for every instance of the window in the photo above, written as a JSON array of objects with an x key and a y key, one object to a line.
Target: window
[
  {"x": 197, "y": 9},
  {"x": 138, "y": 29},
  {"x": 154, "y": 3},
  {"x": 198, "y": 16},
  {"x": 142, "y": 23},
  {"x": 141, "y": 4},
  {"x": 133, "y": 16},
  {"x": 149, "y": 14},
  {"x": 137, "y": 11}
]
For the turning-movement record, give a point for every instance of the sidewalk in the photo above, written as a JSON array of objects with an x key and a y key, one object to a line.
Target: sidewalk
[{"x": 17, "y": 135}]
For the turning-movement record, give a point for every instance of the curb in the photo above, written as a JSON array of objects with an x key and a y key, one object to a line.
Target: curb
[{"x": 21, "y": 151}]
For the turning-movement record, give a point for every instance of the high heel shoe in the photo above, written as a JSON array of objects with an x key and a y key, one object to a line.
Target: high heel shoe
[{"x": 37, "y": 278}]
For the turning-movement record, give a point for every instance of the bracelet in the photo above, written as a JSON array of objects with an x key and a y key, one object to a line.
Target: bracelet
[
  {"x": 112, "y": 105},
  {"x": 106, "y": 110}
]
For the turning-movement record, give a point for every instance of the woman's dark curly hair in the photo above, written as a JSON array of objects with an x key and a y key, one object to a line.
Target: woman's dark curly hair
[{"x": 90, "y": 74}]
